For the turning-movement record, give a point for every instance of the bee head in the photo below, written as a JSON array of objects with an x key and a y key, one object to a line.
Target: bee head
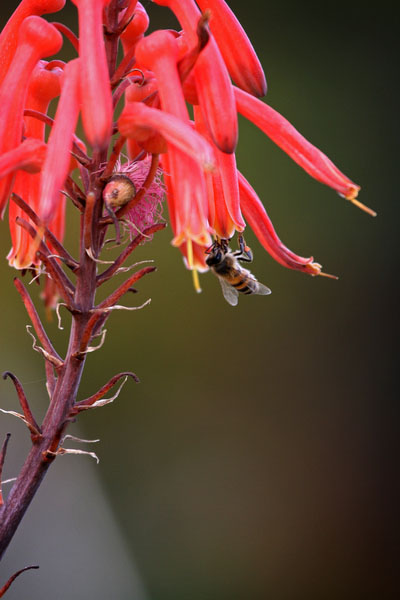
[{"x": 215, "y": 256}]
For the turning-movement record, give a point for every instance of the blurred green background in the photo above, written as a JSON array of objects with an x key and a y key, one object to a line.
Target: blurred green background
[{"x": 256, "y": 458}]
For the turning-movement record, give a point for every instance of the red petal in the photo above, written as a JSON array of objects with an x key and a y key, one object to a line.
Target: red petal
[
  {"x": 57, "y": 161},
  {"x": 9, "y": 35},
  {"x": 97, "y": 109},
  {"x": 312, "y": 160}
]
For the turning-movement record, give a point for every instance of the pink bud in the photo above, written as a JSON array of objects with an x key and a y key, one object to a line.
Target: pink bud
[{"x": 136, "y": 28}]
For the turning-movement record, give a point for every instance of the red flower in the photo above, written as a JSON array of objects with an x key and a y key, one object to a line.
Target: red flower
[
  {"x": 43, "y": 87},
  {"x": 36, "y": 39},
  {"x": 159, "y": 52},
  {"x": 276, "y": 127},
  {"x": 95, "y": 80},
  {"x": 9, "y": 35},
  {"x": 57, "y": 163},
  {"x": 238, "y": 53}
]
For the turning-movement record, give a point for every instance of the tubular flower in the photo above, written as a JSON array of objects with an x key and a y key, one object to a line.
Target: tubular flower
[
  {"x": 95, "y": 81},
  {"x": 159, "y": 52},
  {"x": 312, "y": 160},
  {"x": 43, "y": 87},
  {"x": 222, "y": 188},
  {"x": 57, "y": 163},
  {"x": 9, "y": 35},
  {"x": 207, "y": 197},
  {"x": 36, "y": 39},
  {"x": 238, "y": 53},
  {"x": 136, "y": 28}
]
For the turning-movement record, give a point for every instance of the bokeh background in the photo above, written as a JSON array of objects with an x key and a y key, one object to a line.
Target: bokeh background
[{"x": 256, "y": 458}]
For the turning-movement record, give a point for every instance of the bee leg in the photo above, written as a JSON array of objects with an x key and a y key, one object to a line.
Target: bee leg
[{"x": 244, "y": 253}]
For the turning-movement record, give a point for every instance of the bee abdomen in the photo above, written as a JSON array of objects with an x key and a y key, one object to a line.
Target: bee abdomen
[{"x": 244, "y": 284}]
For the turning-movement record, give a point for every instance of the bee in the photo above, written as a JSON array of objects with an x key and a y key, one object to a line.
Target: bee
[{"x": 234, "y": 279}]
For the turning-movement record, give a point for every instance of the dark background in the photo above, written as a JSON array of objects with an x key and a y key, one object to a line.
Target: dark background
[{"x": 256, "y": 458}]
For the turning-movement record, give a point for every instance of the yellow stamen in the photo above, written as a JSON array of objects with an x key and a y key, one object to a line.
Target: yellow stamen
[
  {"x": 363, "y": 207},
  {"x": 328, "y": 275},
  {"x": 196, "y": 281},
  {"x": 195, "y": 275}
]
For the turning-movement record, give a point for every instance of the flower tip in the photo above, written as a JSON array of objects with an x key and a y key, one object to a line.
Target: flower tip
[
  {"x": 353, "y": 192},
  {"x": 313, "y": 268}
]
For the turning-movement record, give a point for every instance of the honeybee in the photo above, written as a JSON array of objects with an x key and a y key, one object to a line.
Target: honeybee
[{"x": 234, "y": 279}]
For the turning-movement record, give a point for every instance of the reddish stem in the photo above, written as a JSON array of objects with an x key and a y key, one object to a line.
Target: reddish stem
[{"x": 2, "y": 458}]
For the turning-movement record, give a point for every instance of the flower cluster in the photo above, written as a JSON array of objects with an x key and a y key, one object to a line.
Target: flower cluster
[{"x": 210, "y": 64}]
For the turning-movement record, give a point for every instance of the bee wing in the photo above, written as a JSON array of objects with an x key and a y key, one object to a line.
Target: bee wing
[
  {"x": 230, "y": 294},
  {"x": 262, "y": 289}
]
